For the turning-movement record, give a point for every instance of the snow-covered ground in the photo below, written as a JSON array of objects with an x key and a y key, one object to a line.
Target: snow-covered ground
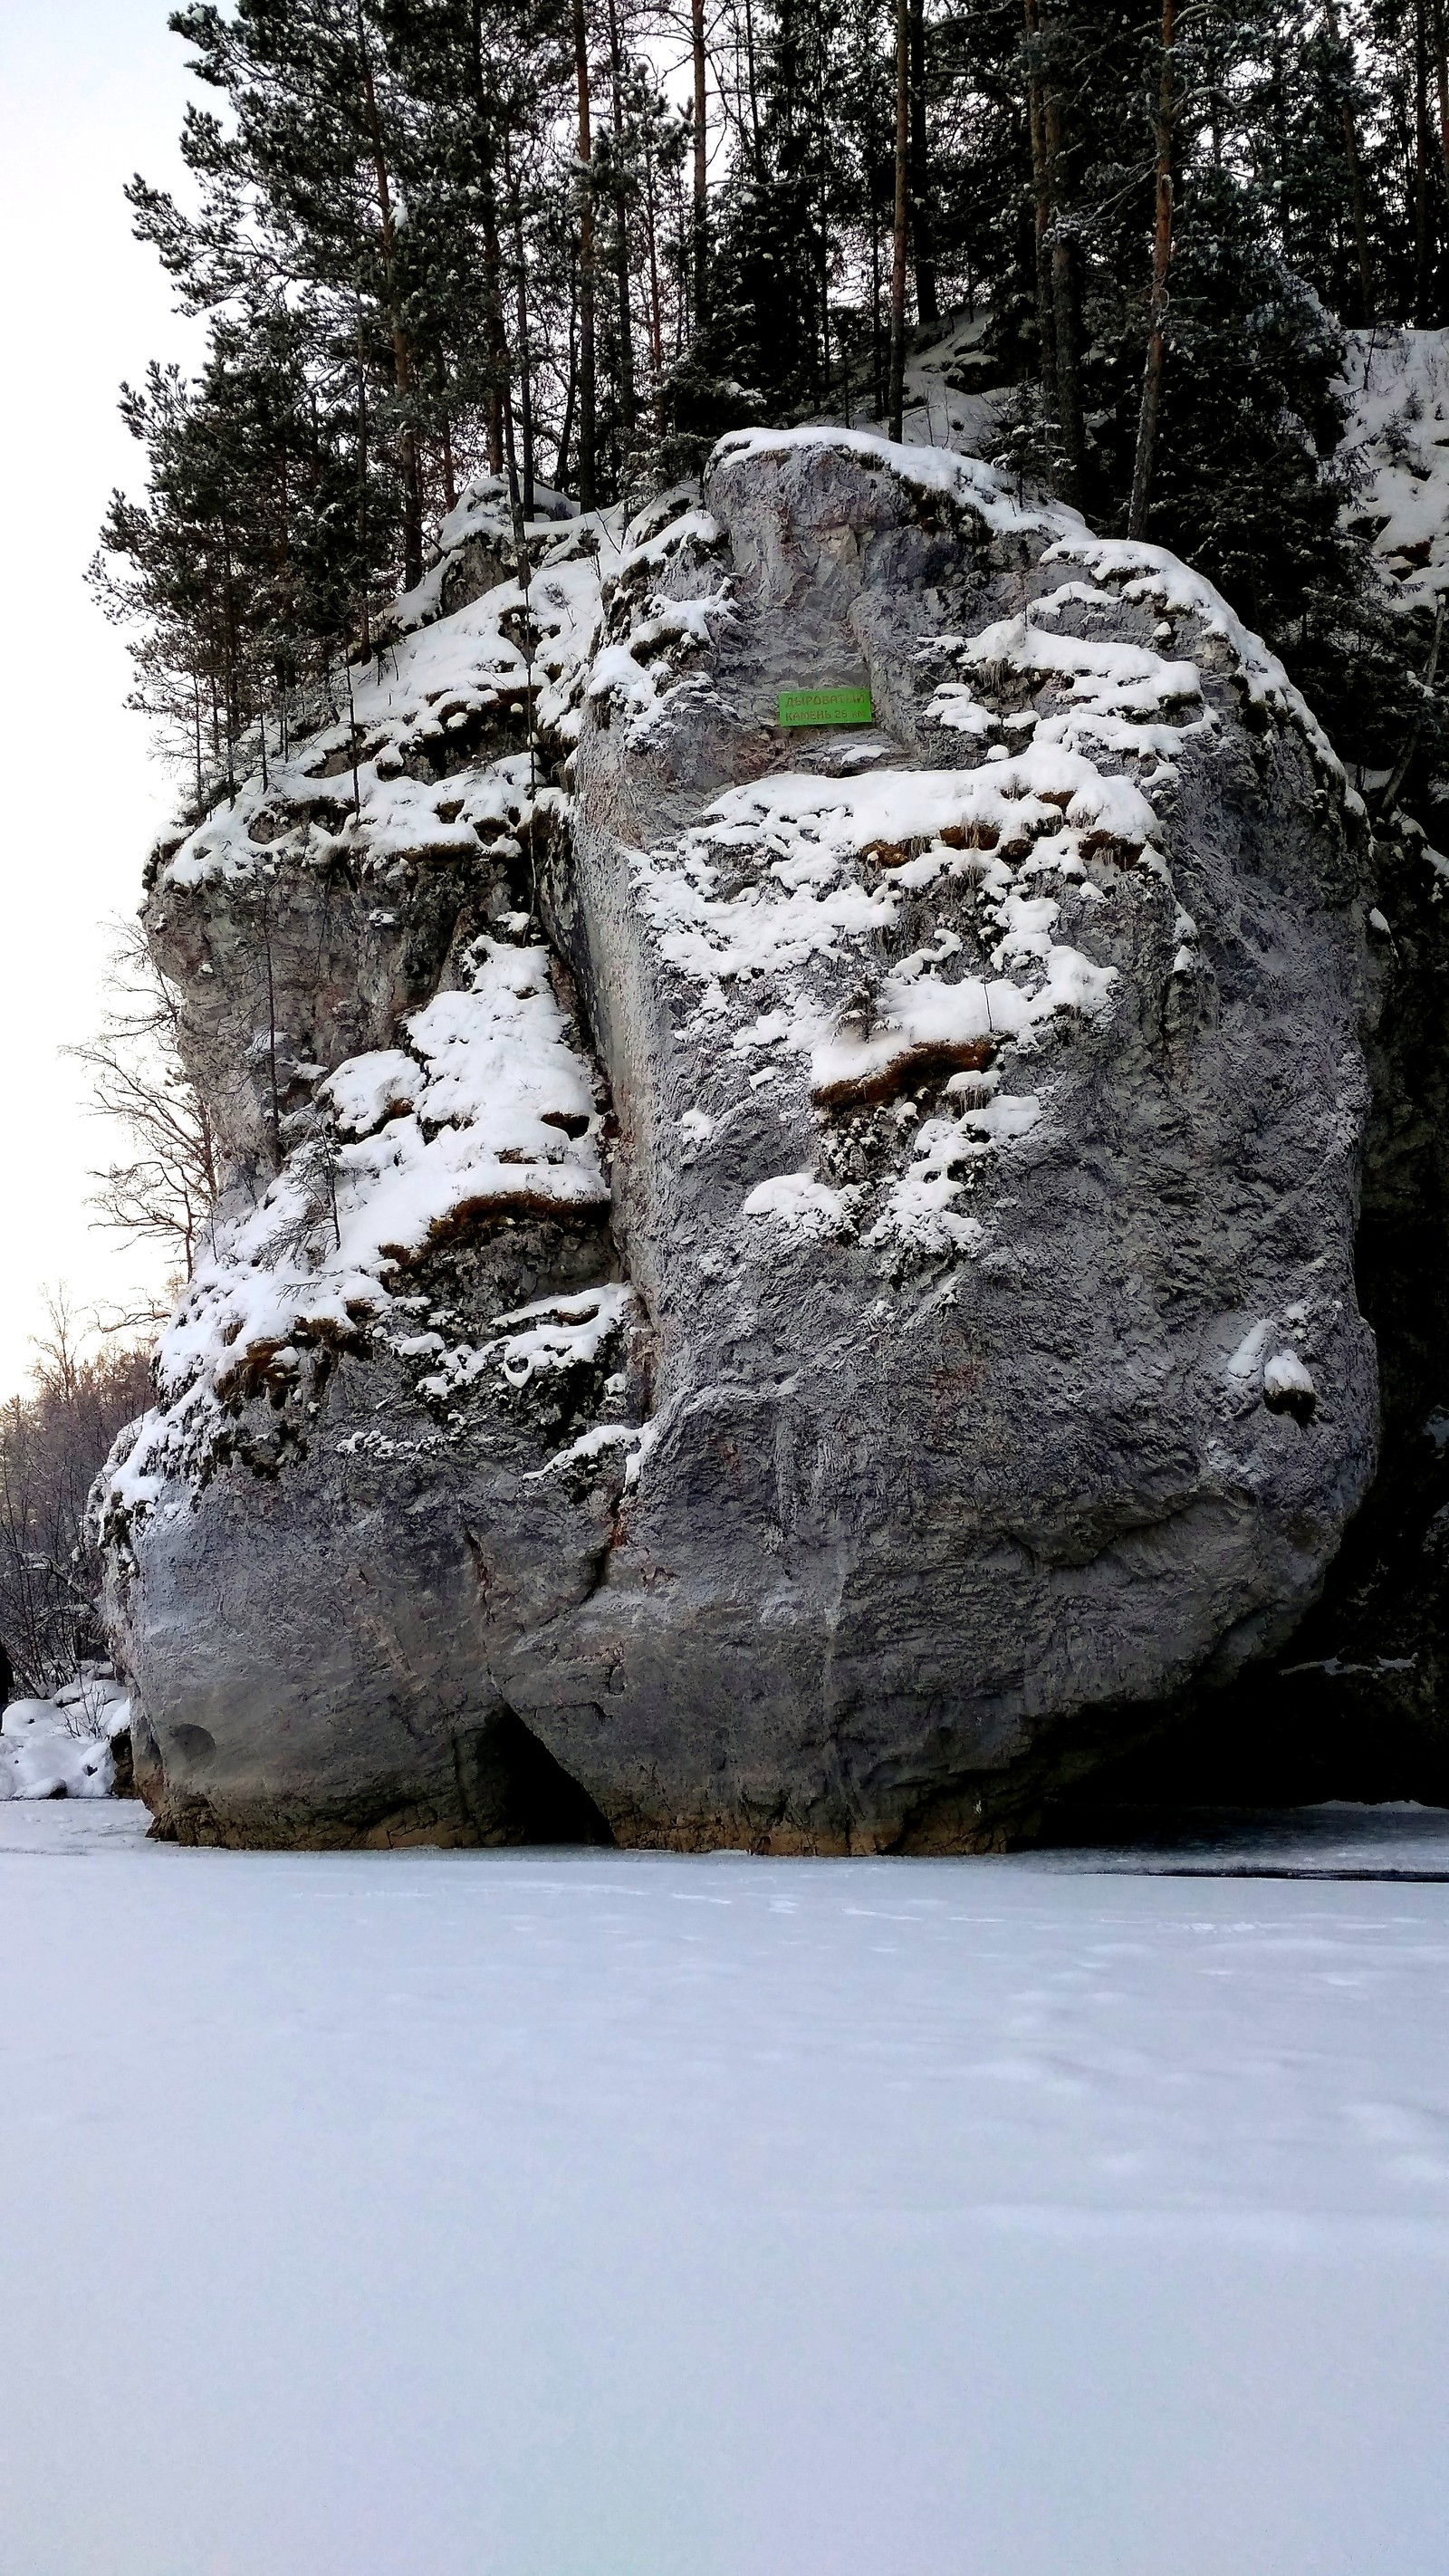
[
  {"x": 61, "y": 1747},
  {"x": 572, "y": 2214}
]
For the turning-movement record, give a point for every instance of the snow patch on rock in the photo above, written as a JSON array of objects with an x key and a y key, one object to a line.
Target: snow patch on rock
[
  {"x": 802, "y": 1205},
  {"x": 492, "y": 1111}
]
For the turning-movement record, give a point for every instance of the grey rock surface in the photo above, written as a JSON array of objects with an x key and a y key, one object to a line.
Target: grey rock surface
[{"x": 966, "y": 1360}]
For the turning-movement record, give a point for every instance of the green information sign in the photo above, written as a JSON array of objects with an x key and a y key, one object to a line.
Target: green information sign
[{"x": 824, "y": 706}]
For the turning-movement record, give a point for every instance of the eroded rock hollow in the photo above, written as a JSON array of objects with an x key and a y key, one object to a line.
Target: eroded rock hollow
[{"x": 780, "y": 1287}]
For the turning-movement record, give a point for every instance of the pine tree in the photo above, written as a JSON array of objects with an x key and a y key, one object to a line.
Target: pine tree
[{"x": 431, "y": 238}]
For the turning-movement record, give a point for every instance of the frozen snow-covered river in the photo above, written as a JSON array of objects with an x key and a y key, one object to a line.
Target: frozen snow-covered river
[{"x": 580, "y": 2214}]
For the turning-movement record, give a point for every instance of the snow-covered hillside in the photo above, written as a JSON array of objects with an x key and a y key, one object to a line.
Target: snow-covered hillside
[{"x": 1397, "y": 384}]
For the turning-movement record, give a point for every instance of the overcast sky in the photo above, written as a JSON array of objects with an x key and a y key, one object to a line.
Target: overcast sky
[{"x": 90, "y": 90}]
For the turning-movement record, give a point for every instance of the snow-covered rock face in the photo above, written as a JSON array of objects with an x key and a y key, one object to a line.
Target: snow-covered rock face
[{"x": 917, "y": 1344}]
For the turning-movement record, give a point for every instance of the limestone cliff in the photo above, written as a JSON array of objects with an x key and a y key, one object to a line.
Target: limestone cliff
[
  {"x": 1356, "y": 1704},
  {"x": 781, "y": 1288}
]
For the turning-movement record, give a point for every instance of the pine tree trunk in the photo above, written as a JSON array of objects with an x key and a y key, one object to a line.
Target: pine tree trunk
[
  {"x": 1441, "y": 83},
  {"x": 230, "y": 642},
  {"x": 877, "y": 372},
  {"x": 923, "y": 230},
  {"x": 700, "y": 243},
  {"x": 571, "y": 380},
  {"x": 753, "y": 91},
  {"x": 822, "y": 229},
  {"x": 365, "y": 637},
  {"x": 1064, "y": 301},
  {"x": 588, "y": 496},
  {"x": 1276, "y": 121},
  {"x": 525, "y": 353},
  {"x": 1355, "y": 166},
  {"x": 401, "y": 352},
  {"x": 1042, "y": 198},
  {"x": 1422, "y": 245},
  {"x": 628, "y": 407},
  {"x": 499, "y": 369},
  {"x": 656, "y": 309},
  {"x": 898, "y": 267},
  {"x": 450, "y": 487},
  {"x": 494, "y": 324},
  {"x": 1161, "y": 261}
]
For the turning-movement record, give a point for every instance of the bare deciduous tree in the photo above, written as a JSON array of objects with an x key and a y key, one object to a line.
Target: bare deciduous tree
[
  {"x": 53, "y": 1441},
  {"x": 165, "y": 1191}
]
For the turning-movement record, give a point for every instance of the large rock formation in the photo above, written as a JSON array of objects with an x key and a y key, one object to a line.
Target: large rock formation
[
  {"x": 1356, "y": 1703},
  {"x": 790, "y": 1288}
]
